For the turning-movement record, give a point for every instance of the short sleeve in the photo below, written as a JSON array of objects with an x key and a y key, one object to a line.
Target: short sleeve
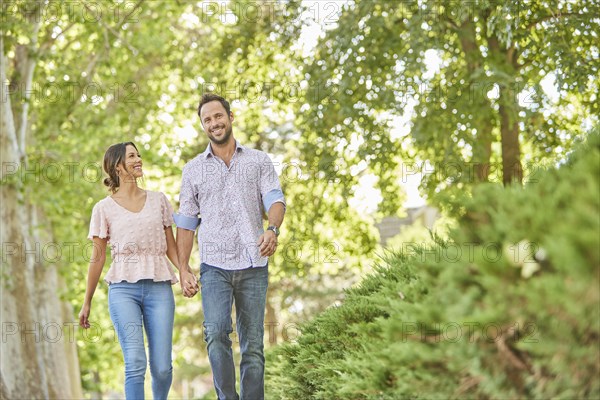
[
  {"x": 166, "y": 210},
  {"x": 99, "y": 225}
]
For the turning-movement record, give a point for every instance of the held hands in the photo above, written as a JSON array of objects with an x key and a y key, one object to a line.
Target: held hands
[
  {"x": 188, "y": 282},
  {"x": 267, "y": 244}
]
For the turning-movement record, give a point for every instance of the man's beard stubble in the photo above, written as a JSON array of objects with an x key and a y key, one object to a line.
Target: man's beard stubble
[{"x": 225, "y": 138}]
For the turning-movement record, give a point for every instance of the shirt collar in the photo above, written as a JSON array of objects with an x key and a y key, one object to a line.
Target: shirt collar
[{"x": 209, "y": 152}]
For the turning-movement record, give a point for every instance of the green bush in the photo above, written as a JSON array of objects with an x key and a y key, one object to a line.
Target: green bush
[{"x": 507, "y": 308}]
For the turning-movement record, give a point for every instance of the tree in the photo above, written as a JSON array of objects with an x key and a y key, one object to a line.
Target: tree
[
  {"x": 29, "y": 303},
  {"x": 73, "y": 80},
  {"x": 492, "y": 59},
  {"x": 80, "y": 76}
]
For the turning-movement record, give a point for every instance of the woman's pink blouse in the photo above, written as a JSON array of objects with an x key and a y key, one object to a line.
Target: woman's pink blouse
[{"x": 137, "y": 240}]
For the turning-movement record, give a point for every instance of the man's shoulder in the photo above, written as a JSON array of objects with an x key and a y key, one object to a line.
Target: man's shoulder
[
  {"x": 194, "y": 162},
  {"x": 255, "y": 154}
]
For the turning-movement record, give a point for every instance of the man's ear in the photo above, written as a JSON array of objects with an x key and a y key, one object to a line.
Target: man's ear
[{"x": 230, "y": 116}]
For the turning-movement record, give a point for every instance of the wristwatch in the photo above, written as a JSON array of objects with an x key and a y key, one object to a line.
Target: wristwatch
[{"x": 274, "y": 229}]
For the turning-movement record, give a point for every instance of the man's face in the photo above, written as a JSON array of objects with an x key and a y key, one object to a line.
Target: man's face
[{"x": 216, "y": 122}]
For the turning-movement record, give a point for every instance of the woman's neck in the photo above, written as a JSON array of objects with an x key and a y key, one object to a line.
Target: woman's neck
[{"x": 128, "y": 189}]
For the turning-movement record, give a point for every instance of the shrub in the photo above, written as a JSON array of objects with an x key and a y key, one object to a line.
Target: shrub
[{"x": 507, "y": 308}]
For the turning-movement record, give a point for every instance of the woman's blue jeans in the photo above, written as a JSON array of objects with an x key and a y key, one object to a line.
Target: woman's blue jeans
[
  {"x": 247, "y": 289},
  {"x": 149, "y": 305}
]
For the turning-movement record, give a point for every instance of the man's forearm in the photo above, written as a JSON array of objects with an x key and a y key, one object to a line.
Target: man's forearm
[
  {"x": 185, "y": 241},
  {"x": 276, "y": 213}
]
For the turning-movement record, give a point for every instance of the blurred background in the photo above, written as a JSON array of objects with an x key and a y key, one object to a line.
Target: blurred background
[{"x": 383, "y": 118}]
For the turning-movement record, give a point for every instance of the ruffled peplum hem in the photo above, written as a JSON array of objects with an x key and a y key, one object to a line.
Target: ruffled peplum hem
[{"x": 134, "y": 267}]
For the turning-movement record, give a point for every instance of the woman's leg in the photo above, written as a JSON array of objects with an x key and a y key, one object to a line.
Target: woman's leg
[
  {"x": 124, "y": 304},
  {"x": 159, "y": 311}
]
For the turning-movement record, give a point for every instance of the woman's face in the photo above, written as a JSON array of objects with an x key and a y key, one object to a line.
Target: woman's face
[{"x": 133, "y": 163}]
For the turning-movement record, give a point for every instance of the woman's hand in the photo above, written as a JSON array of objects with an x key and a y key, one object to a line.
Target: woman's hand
[{"x": 83, "y": 316}]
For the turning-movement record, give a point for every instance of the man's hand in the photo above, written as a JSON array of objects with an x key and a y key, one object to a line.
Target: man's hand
[
  {"x": 188, "y": 282},
  {"x": 267, "y": 244}
]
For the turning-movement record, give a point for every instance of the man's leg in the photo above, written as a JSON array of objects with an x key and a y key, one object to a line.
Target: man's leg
[
  {"x": 217, "y": 299},
  {"x": 250, "y": 298}
]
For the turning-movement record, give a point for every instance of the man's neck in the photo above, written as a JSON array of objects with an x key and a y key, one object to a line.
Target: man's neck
[{"x": 224, "y": 151}]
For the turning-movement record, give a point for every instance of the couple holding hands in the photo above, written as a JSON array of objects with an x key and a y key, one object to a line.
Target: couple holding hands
[{"x": 228, "y": 186}]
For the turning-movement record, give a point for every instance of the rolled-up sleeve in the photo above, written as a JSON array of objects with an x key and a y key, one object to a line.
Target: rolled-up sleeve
[
  {"x": 187, "y": 217},
  {"x": 270, "y": 188}
]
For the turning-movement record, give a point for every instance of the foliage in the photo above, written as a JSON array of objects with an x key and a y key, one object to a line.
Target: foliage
[
  {"x": 326, "y": 117},
  {"x": 465, "y": 79},
  {"x": 507, "y": 308},
  {"x": 109, "y": 72}
]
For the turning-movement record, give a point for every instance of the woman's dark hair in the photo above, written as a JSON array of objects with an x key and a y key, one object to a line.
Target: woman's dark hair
[
  {"x": 208, "y": 97},
  {"x": 115, "y": 156}
]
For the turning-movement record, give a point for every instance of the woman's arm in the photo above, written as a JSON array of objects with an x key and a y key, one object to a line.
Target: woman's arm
[
  {"x": 187, "y": 280},
  {"x": 171, "y": 247},
  {"x": 94, "y": 271}
]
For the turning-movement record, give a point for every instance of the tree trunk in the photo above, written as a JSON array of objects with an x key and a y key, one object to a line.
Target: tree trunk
[
  {"x": 482, "y": 152},
  {"x": 482, "y": 122},
  {"x": 512, "y": 171},
  {"x": 508, "y": 106},
  {"x": 39, "y": 355}
]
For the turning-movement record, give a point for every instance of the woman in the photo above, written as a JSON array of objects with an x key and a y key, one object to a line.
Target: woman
[{"x": 137, "y": 224}]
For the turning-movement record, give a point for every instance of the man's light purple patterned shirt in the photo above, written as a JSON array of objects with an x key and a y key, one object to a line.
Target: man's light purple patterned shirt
[{"x": 228, "y": 204}]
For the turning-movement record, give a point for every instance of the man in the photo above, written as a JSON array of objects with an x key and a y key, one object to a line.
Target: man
[{"x": 230, "y": 187}]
